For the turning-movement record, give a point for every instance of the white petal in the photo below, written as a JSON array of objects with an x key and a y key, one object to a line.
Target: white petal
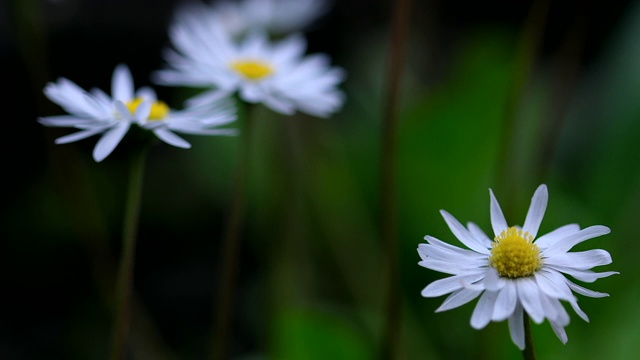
[
  {"x": 516, "y": 327},
  {"x": 529, "y": 296},
  {"x": 552, "y": 283},
  {"x": 207, "y": 98},
  {"x": 565, "y": 244},
  {"x": 279, "y": 105},
  {"x": 505, "y": 302},
  {"x": 458, "y": 298},
  {"x": 442, "y": 286},
  {"x": 94, "y": 107},
  {"x": 583, "y": 260},
  {"x": 171, "y": 138},
  {"x": 536, "y": 211},
  {"x": 122, "y": 84},
  {"x": 463, "y": 234},
  {"x": 578, "y": 310},
  {"x": 583, "y": 275},
  {"x": 101, "y": 97},
  {"x": 454, "y": 249},
  {"x": 78, "y": 135},
  {"x": 484, "y": 310},
  {"x": 447, "y": 267},
  {"x": 123, "y": 110},
  {"x": 493, "y": 281},
  {"x": 498, "y": 222},
  {"x": 450, "y": 284},
  {"x": 475, "y": 286},
  {"x": 147, "y": 93},
  {"x": 479, "y": 235},
  {"x": 109, "y": 141},
  {"x": 562, "y": 316},
  {"x": 65, "y": 121},
  {"x": 289, "y": 49},
  {"x": 143, "y": 111},
  {"x": 548, "y": 308},
  {"x": 252, "y": 93},
  {"x": 462, "y": 256},
  {"x": 220, "y": 132},
  {"x": 556, "y": 235},
  {"x": 584, "y": 291},
  {"x": 560, "y": 332}
]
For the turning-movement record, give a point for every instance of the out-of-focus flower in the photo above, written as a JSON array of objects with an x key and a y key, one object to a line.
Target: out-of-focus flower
[
  {"x": 515, "y": 272},
  {"x": 277, "y": 17},
  {"x": 277, "y": 74},
  {"x": 97, "y": 113}
]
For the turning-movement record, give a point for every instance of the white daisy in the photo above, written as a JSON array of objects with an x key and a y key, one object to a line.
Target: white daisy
[
  {"x": 278, "y": 17},
  {"x": 98, "y": 113},
  {"x": 276, "y": 74},
  {"x": 515, "y": 272}
]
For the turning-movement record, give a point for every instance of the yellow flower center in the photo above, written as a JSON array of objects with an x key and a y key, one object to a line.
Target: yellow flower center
[
  {"x": 252, "y": 70},
  {"x": 514, "y": 254},
  {"x": 159, "y": 110}
]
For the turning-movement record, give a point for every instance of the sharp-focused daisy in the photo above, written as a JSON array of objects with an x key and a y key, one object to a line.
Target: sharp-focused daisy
[
  {"x": 278, "y": 17},
  {"x": 97, "y": 113},
  {"x": 515, "y": 271},
  {"x": 276, "y": 74}
]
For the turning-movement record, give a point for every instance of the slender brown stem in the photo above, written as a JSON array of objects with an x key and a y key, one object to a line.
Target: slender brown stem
[
  {"x": 229, "y": 259},
  {"x": 529, "y": 352},
  {"x": 529, "y": 47},
  {"x": 566, "y": 71},
  {"x": 392, "y": 330},
  {"x": 127, "y": 258}
]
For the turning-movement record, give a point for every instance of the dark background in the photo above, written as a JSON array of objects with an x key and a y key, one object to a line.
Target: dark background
[{"x": 310, "y": 285}]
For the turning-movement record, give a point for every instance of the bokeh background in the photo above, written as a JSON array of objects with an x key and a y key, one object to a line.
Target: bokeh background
[{"x": 495, "y": 94}]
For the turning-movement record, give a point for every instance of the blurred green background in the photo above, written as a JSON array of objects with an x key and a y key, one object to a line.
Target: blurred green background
[{"x": 496, "y": 94}]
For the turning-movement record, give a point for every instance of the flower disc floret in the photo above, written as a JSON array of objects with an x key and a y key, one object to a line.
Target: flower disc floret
[
  {"x": 514, "y": 254},
  {"x": 159, "y": 109},
  {"x": 252, "y": 69}
]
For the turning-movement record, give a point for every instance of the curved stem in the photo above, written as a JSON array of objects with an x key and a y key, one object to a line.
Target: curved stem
[
  {"x": 229, "y": 257},
  {"x": 127, "y": 258},
  {"x": 392, "y": 330},
  {"x": 529, "y": 352}
]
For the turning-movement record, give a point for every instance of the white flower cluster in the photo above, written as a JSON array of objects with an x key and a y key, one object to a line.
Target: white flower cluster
[
  {"x": 225, "y": 48},
  {"x": 208, "y": 53}
]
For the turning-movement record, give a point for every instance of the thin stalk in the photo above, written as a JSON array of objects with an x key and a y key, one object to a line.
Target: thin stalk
[
  {"x": 392, "y": 329},
  {"x": 127, "y": 259},
  {"x": 529, "y": 352},
  {"x": 229, "y": 259},
  {"x": 528, "y": 50},
  {"x": 566, "y": 71}
]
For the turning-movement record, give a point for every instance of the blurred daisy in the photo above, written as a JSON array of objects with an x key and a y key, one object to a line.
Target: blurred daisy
[
  {"x": 277, "y": 17},
  {"x": 276, "y": 74},
  {"x": 515, "y": 272},
  {"x": 97, "y": 113}
]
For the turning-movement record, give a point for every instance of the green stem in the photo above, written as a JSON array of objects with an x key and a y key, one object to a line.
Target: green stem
[
  {"x": 127, "y": 259},
  {"x": 231, "y": 245},
  {"x": 529, "y": 352},
  {"x": 392, "y": 330}
]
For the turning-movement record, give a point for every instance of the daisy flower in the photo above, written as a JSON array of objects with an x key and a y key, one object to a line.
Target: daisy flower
[
  {"x": 515, "y": 271},
  {"x": 276, "y": 74},
  {"x": 96, "y": 112},
  {"x": 278, "y": 17}
]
